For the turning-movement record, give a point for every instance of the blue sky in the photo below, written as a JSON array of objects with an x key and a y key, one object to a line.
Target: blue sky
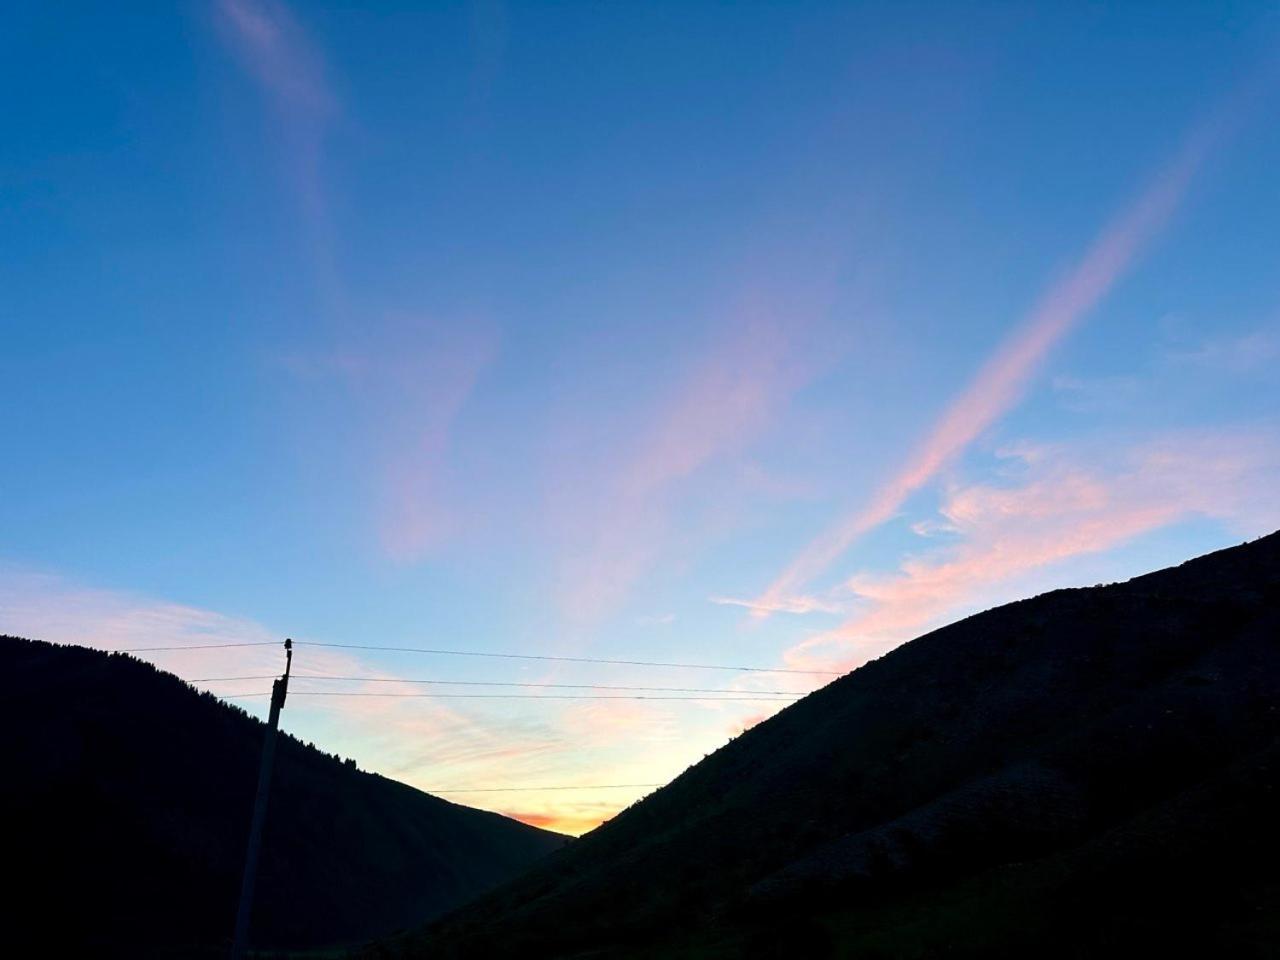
[{"x": 750, "y": 333}]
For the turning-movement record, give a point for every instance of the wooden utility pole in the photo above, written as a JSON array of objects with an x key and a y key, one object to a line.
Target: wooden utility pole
[{"x": 279, "y": 688}]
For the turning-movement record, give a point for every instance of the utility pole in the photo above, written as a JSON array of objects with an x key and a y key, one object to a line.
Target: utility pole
[{"x": 279, "y": 688}]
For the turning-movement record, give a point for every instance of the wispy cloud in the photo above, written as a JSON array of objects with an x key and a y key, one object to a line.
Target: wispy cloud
[
  {"x": 1002, "y": 380},
  {"x": 657, "y": 619},
  {"x": 387, "y": 735},
  {"x": 45, "y": 606},
  {"x": 416, "y": 513},
  {"x": 430, "y": 744},
  {"x": 271, "y": 44},
  {"x": 724, "y": 403},
  {"x": 1096, "y": 394},
  {"x": 1067, "y": 506},
  {"x": 406, "y": 381},
  {"x": 801, "y": 604},
  {"x": 1255, "y": 351},
  {"x": 279, "y": 54}
]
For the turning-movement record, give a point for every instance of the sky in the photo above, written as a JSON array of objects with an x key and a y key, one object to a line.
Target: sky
[{"x": 755, "y": 334}]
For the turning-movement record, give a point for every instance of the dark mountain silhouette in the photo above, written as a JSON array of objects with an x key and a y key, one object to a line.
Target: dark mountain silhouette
[
  {"x": 126, "y": 801},
  {"x": 1089, "y": 773}
]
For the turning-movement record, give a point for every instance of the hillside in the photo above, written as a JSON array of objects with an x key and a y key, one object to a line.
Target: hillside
[
  {"x": 126, "y": 800},
  {"x": 1092, "y": 772}
]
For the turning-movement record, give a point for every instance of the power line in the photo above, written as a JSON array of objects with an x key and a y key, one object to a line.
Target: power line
[
  {"x": 597, "y": 786},
  {"x": 780, "y": 696},
  {"x": 199, "y": 646},
  {"x": 264, "y": 676},
  {"x": 505, "y": 683},
  {"x": 536, "y": 656},
  {"x": 506, "y": 696},
  {"x": 497, "y": 656}
]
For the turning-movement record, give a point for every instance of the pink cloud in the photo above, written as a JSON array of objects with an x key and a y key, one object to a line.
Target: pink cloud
[
  {"x": 274, "y": 49},
  {"x": 424, "y": 742},
  {"x": 1257, "y": 351},
  {"x": 745, "y": 724},
  {"x": 406, "y": 381},
  {"x": 417, "y": 512},
  {"x": 1002, "y": 380},
  {"x": 44, "y": 606},
  {"x": 794, "y": 604},
  {"x": 728, "y": 400},
  {"x": 1064, "y": 510},
  {"x": 432, "y": 744}
]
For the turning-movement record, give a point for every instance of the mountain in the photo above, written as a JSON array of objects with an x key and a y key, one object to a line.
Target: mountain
[
  {"x": 126, "y": 801},
  {"x": 1090, "y": 773}
]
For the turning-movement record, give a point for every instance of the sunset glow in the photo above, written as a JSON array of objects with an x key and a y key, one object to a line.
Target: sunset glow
[{"x": 656, "y": 348}]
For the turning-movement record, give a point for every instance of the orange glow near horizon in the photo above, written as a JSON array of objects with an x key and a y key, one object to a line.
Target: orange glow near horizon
[{"x": 570, "y": 825}]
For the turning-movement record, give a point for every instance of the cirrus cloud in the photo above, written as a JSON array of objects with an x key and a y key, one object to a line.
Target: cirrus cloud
[
  {"x": 1003, "y": 378},
  {"x": 1067, "y": 505}
]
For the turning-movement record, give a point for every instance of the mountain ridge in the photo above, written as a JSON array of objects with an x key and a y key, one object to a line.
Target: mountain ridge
[
  {"x": 1022, "y": 735},
  {"x": 131, "y": 792}
]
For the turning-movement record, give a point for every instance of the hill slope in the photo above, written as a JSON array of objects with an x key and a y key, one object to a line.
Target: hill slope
[
  {"x": 126, "y": 800},
  {"x": 1093, "y": 772}
]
